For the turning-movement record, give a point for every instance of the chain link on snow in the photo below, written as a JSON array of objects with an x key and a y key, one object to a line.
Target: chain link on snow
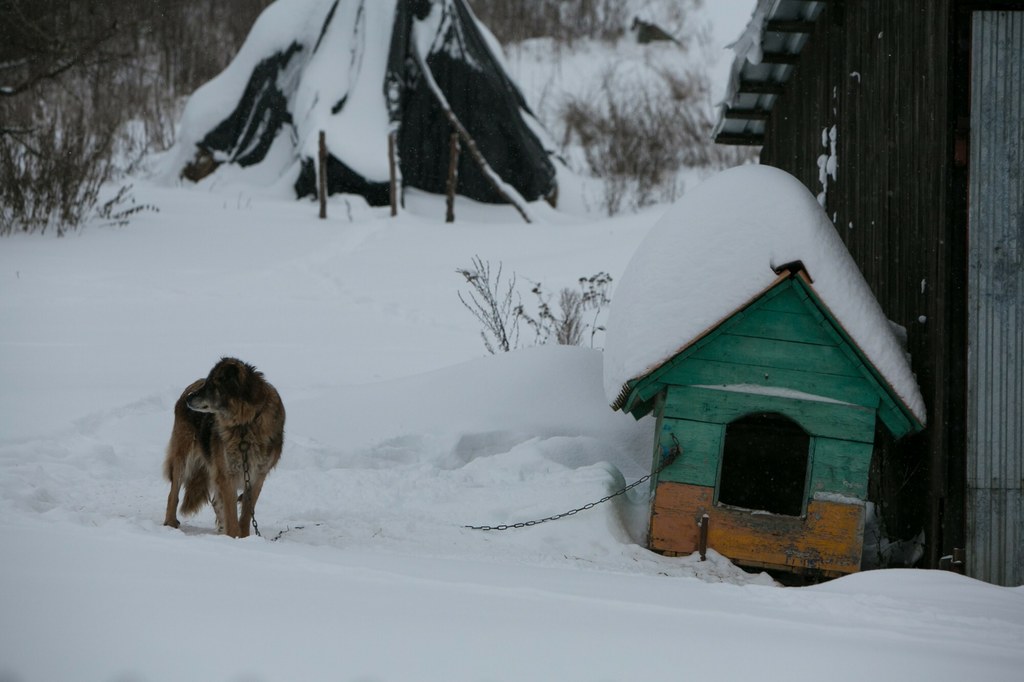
[{"x": 673, "y": 453}]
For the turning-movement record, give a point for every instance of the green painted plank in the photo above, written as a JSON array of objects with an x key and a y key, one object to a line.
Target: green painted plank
[
  {"x": 701, "y": 448},
  {"x": 840, "y": 466},
  {"x": 895, "y": 414},
  {"x": 658, "y": 453},
  {"x": 899, "y": 422},
  {"x": 806, "y": 357},
  {"x": 770, "y": 324},
  {"x": 788, "y": 300},
  {"x": 832, "y": 420},
  {"x": 698, "y": 372},
  {"x": 788, "y": 313},
  {"x": 643, "y": 389}
]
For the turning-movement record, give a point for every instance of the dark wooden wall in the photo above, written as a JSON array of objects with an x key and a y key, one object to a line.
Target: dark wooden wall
[{"x": 884, "y": 73}]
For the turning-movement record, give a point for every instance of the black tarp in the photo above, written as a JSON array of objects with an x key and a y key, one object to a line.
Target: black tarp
[
  {"x": 245, "y": 136},
  {"x": 482, "y": 97}
]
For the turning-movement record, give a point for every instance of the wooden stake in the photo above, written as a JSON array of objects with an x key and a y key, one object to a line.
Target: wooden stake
[
  {"x": 392, "y": 173},
  {"x": 959, "y": 563},
  {"x": 322, "y": 168},
  {"x": 704, "y": 523},
  {"x": 453, "y": 175},
  {"x": 504, "y": 190}
]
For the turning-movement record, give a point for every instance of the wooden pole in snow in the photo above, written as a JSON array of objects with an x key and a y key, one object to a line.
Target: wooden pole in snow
[
  {"x": 504, "y": 190},
  {"x": 392, "y": 173},
  {"x": 703, "y": 548},
  {"x": 453, "y": 176},
  {"x": 322, "y": 171}
]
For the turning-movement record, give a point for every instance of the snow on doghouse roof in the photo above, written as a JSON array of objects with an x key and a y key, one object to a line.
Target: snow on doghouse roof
[{"x": 715, "y": 251}]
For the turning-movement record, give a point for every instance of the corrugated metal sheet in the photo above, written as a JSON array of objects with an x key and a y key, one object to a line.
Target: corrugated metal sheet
[{"x": 995, "y": 439}]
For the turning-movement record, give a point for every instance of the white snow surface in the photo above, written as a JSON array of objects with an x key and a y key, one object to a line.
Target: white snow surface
[
  {"x": 400, "y": 431},
  {"x": 714, "y": 251}
]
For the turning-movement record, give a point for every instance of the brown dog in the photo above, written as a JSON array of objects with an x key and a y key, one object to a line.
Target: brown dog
[{"x": 230, "y": 421}]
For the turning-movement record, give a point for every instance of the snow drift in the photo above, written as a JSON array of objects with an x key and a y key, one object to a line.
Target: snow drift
[{"x": 398, "y": 434}]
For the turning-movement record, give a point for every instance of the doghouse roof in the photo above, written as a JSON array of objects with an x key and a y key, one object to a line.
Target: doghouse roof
[{"x": 723, "y": 247}]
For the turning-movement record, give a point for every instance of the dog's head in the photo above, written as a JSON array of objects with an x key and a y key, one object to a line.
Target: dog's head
[{"x": 229, "y": 383}]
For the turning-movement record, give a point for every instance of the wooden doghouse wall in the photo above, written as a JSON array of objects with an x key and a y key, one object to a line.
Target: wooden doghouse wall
[
  {"x": 782, "y": 355},
  {"x": 827, "y": 538}
]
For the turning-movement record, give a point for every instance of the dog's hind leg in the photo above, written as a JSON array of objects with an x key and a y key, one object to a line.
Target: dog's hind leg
[{"x": 173, "y": 471}]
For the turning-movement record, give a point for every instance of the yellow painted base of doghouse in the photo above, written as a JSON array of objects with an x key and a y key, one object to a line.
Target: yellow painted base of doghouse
[{"x": 827, "y": 541}]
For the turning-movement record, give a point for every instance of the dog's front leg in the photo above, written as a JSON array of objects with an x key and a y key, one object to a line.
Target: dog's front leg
[
  {"x": 249, "y": 497},
  {"x": 226, "y": 502}
]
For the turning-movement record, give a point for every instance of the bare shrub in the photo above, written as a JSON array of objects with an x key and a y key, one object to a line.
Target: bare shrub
[
  {"x": 568, "y": 325},
  {"x": 566, "y": 21},
  {"x": 640, "y": 125},
  {"x": 491, "y": 303},
  {"x": 88, "y": 88},
  {"x": 499, "y": 309},
  {"x": 637, "y": 136},
  {"x": 51, "y": 176}
]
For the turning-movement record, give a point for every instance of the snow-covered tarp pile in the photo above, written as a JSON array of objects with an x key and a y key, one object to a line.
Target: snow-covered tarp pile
[
  {"x": 715, "y": 251},
  {"x": 352, "y": 69}
]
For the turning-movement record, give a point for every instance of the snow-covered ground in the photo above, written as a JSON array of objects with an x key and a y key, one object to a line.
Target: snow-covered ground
[{"x": 401, "y": 430}]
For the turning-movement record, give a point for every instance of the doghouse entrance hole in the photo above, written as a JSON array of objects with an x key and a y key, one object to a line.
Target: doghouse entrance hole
[{"x": 764, "y": 464}]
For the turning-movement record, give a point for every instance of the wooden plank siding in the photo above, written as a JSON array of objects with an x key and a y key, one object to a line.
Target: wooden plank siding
[
  {"x": 700, "y": 446},
  {"x": 831, "y": 420},
  {"x": 786, "y": 338},
  {"x": 841, "y": 446},
  {"x": 827, "y": 540},
  {"x": 880, "y": 72},
  {"x": 779, "y": 341}
]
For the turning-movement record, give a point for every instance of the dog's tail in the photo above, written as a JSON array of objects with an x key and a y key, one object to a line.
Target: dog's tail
[{"x": 197, "y": 490}]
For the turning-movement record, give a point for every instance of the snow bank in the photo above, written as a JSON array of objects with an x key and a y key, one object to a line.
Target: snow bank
[
  {"x": 399, "y": 433},
  {"x": 714, "y": 251}
]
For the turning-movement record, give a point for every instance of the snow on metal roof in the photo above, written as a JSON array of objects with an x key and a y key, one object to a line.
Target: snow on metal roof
[{"x": 766, "y": 53}]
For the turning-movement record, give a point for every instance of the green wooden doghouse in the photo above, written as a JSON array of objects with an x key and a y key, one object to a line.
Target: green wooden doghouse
[{"x": 775, "y": 411}]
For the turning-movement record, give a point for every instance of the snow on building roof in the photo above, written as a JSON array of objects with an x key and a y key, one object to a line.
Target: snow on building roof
[
  {"x": 766, "y": 54},
  {"x": 715, "y": 251}
]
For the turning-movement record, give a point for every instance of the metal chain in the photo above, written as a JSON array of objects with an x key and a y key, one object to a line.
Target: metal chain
[
  {"x": 289, "y": 529},
  {"x": 673, "y": 453},
  {"x": 244, "y": 447}
]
